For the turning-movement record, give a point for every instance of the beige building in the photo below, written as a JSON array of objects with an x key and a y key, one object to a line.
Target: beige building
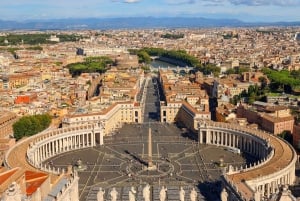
[
  {"x": 7, "y": 119},
  {"x": 184, "y": 99},
  {"x": 121, "y": 86},
  {"x": 272, "y": 118},
  {"x": 110, "y": 118}
]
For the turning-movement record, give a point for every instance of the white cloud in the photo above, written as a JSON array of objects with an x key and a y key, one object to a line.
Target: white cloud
[
  {"x": 131, "y": 1},
  {"x": 239, "y": 2},
  {"x": 266, "y": 2}
]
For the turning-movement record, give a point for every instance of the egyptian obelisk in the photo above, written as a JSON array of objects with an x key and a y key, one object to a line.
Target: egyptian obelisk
[{"x": 150, "y": 163}]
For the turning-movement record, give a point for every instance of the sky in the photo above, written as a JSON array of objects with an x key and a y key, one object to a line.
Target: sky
[{"x": 245, "y": 10}]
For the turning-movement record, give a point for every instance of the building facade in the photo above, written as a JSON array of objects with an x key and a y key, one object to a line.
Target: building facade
[{"x": 272, "y": 118}]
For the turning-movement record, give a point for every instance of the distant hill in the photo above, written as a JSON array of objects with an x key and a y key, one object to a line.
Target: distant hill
[{"x": 130, "y": 23}]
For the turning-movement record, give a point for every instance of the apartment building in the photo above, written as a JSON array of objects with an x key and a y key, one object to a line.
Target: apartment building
[
  {"x": 272, "y": 118},
  {"x": 184, "y": 99},
  {"x": 110, "y": 118}
]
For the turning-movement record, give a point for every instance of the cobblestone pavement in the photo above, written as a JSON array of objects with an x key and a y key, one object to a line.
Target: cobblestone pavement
[{"x": 121, "y": 163}]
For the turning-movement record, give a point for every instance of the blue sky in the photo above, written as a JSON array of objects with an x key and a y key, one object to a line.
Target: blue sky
[{"x": 246, "y": 10}]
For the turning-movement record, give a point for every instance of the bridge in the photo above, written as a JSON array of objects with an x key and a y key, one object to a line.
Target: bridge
[
  {"x": 154, "y": 57},
  {"x": 177, "y": 69}
]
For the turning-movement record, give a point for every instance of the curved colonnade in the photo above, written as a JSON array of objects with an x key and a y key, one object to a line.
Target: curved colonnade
[
  {"x": 275, "y": 164},
  {"x": 47, "y": 144}
]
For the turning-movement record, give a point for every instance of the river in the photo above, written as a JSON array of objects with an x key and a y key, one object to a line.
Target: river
[{"x": 157, "y": 63}]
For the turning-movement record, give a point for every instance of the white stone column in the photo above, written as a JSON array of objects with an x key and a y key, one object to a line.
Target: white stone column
[
  {"x": 56, "y": 146},
  {"x": 84, "y": 140},
  {"x": 43, "y": 152},
  {"x": 81, "y": 140},
  {"x": 233, "y": 140},
  {"x": 39, "y": 155},
  {"x": 268, "y": 189},
  {"x": 101, "y": 138},
  {"x": 208, "y": 141},
  {"x": 35, "y": 157},
  {"x": 47, "y": 150},
  {"x": 68, "y": 140},
  {"x": 94, "y": 139},
  {"x": 63, "y": 144},
  {"x": 76, "y": 141},
  {"x": 292, "y": 174},
  {"x": 67, "y": 143},
  {"x": 91, "y": 139},
  {"x": 222, "y": 137},
  {"x": 60, "y": 145},
  {"x": 51, "y": 149},
  {"x": 200, "y": 137}
]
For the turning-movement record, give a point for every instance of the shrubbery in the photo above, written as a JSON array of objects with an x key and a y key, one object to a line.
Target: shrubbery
[
  {"x": 90, "y": 65},
  {"x": 30, "y": 125}
]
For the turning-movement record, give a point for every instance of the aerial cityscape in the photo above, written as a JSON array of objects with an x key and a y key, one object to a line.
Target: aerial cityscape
[{"x": 137, "y": 101}]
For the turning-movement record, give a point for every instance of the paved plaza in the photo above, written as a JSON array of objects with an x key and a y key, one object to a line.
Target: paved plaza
[{"x": 121, "y": 163}]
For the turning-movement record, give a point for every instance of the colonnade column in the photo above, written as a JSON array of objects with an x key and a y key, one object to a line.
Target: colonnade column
[
  {"x": 83, "y": 140},
  {"x": 208, "y": 137},
  {"x": 233, "y": 140},
  {"x": 212, "y": 137},
  {"x": 200, "y": 137},
  {"x": 222, "y": 138}
]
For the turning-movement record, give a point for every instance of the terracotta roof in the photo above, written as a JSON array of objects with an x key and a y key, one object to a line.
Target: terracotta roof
[
  {"x": 7, "y": 174},
  {"x": 34, "y": 180},
  {"x": 277, "y": 119}
]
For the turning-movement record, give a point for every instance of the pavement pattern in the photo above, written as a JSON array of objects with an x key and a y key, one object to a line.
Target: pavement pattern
[{"x": 121, "y": 163}]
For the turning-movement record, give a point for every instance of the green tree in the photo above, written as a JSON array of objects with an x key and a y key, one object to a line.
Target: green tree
[
  {"x": 30, "y": 125},
  {"x": 144, "y": 57},
  {"x": 287, "y": 135},
  {"x": 90, "y": 65}
]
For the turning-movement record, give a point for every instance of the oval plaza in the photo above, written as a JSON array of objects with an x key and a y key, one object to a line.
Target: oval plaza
[{"x": 272, "y": 169}]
